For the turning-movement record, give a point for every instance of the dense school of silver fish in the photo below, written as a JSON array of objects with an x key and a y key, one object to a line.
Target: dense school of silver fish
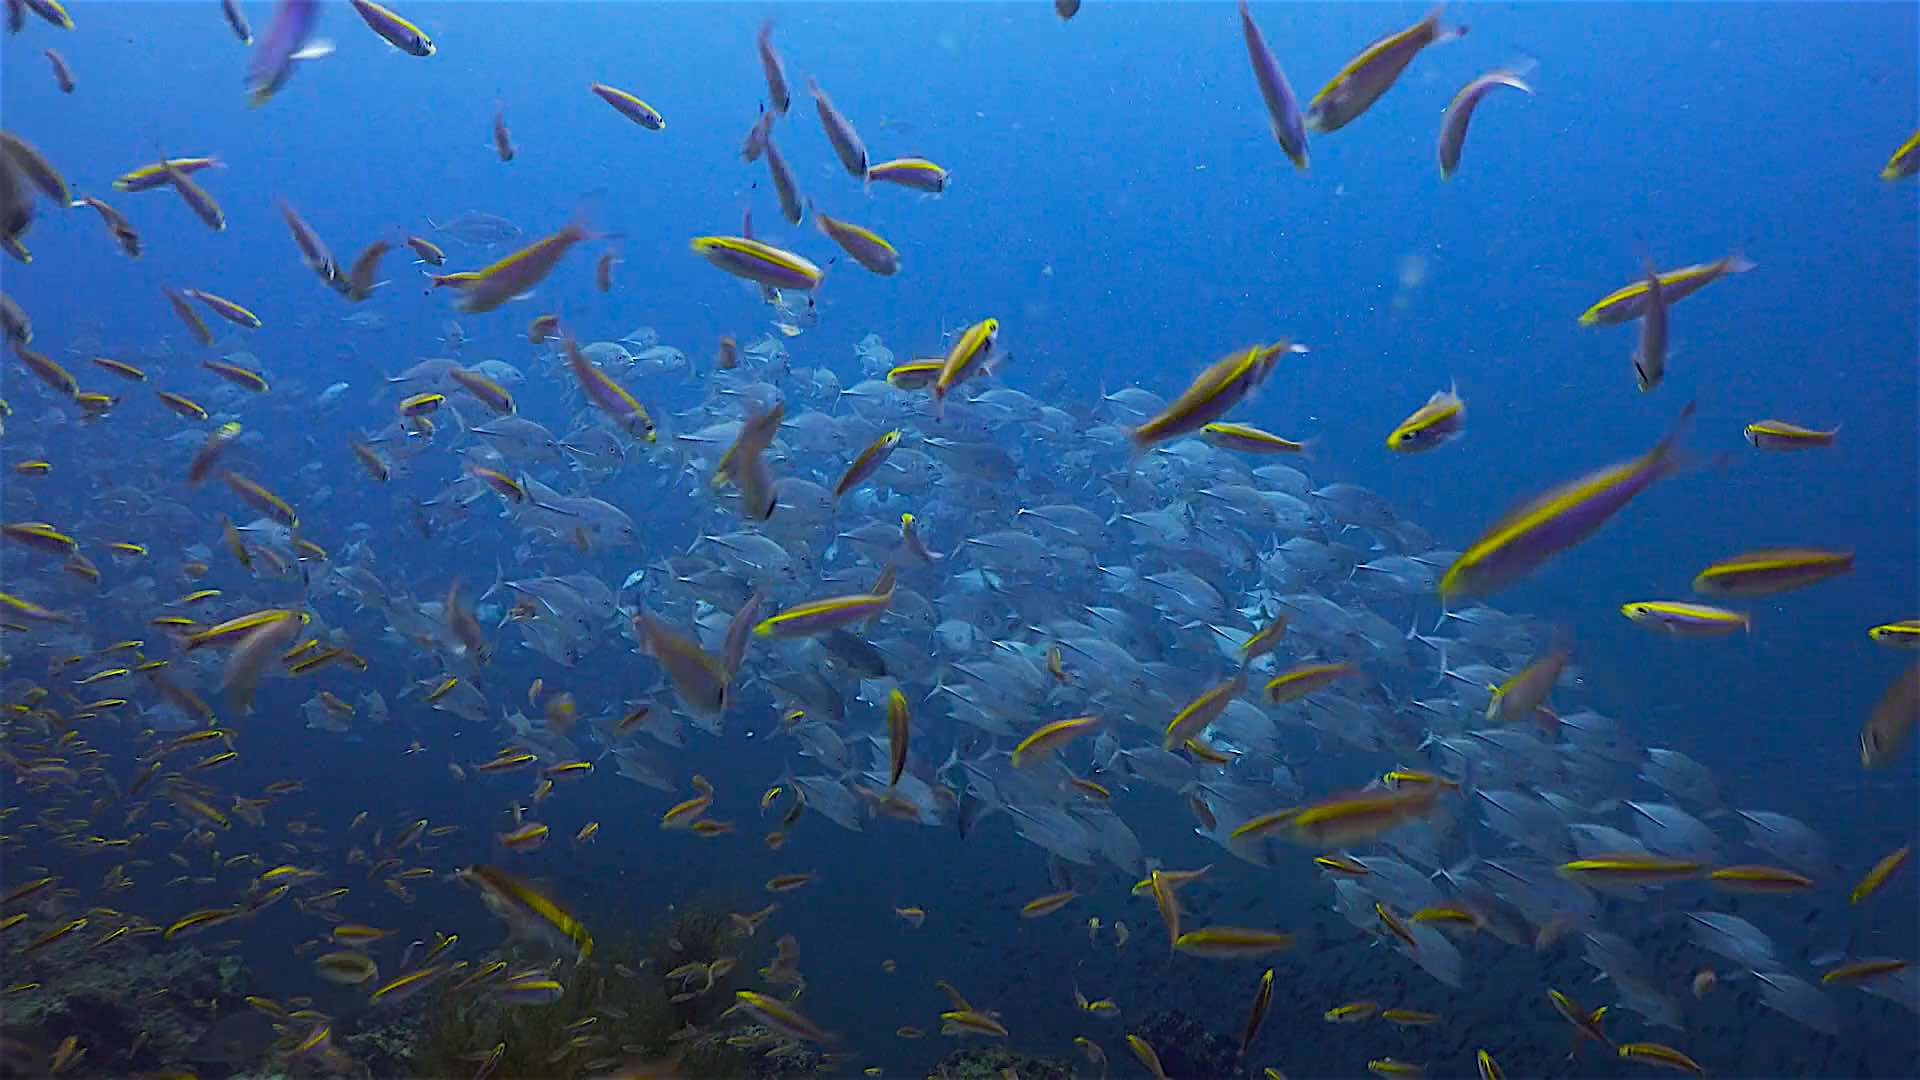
[{"x": 960, "y": 606}]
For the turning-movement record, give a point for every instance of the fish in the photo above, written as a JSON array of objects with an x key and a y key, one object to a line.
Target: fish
[
  {"x": 1453, "y": 123},
  {"x": 898, "y": 735},
  {"x": 866, "y": 247},
  {"x": 53, "y": 11},
  {"x": 1047, "y": 738},
  {"x": 1435, "y": 423},
  {"x": 502, "y": 138},
  {"x": 117, "y": 224},
  {"x": 1231, "y": 942},
  {"x": 1212, "y": 393},
  {"x": 287, "y": 41},
  {"x": 1680, "y": 618},
  {"x": 1629, "y": 302},
  {"x": 758, "y": 262},
  {"x": 917, "y": 173},
  {"x": 1659, "y": 1054},
  {"x": 778, "y": 94},
  {"x": 237, "y": 21},
  {"x": 1247, "y": 439},
  {"x": 972, "y": 352},
  {"x": 780, "y": 1017},
  {"x": 840, "y": 134},
  {"x": 225, "y": 308},
  {"x": 830, "y": 613},
  {"x": 397, "y": 31},
  {"x": 514, "y": 274},
  {"x": 1905, "y": 161},
  {"x": 1904, "y": 634},
  {"x": 607, "y": 395},
  {"x": 62, "y": 74},
  {"x": 1283, "y": 112},
  {"x": 1785, "y": 435},
  {"x": 1257, "y": 1012},
  {"x": 1650, "y": 355},
  {"x": 1890, "y": 725},
  {"x": 629, "y": 106},
  {"x": 1041, "y": 906},
  {"x": 1559, "y": 518},
  {"x": 1358, "y": 84},
  {"x": 1765, "y": 571}
]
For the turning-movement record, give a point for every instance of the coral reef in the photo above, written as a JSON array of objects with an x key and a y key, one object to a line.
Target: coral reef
[
  {"x": 1187, "y": 1048},
  {"x": 620, "y": 1006},
  {"x": 994, "y": 1063},
  {"x": 131, "y": 1007}
]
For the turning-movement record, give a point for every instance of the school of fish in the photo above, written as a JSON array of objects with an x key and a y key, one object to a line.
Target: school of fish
[{"x": 952, "y": 605}]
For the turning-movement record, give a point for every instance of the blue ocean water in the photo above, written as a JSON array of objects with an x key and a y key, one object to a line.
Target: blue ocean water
[{"x": 1117, "y": 203}]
